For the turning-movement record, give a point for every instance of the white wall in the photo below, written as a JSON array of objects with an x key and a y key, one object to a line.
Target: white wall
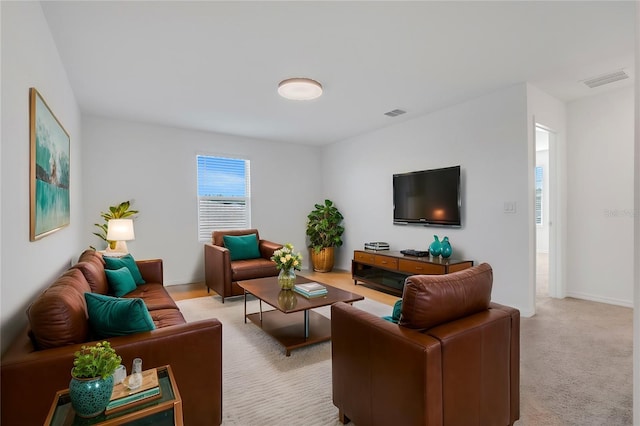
[
  {"x": 155, "y": 166},
  {"x": 30, "y": 59},
  {"x": 600, "y": 197},
  {"x": 488, "y": 138}
]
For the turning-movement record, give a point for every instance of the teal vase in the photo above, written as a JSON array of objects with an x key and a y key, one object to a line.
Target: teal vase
[
  {"x": 446, "y": 248},
  {"x": 435, "y": 248},
  {"x": 89, "y": 397}
]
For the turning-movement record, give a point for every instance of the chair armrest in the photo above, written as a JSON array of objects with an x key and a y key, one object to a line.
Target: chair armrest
[
  {"x": 515, "y": 357},
  {"x": 267, "y": 248},
  {"x": 194, "y": 351},
  {"x": 372, "y": 356},
  {"x": 151, "y": 270},
  {"x": 217, "y": 269}
]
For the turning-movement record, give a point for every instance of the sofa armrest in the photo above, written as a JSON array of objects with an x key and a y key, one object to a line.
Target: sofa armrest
[
  {"x": 267, "y": 248},
  {"x": 151, "y": 270},
  {"x": 515, "y": 357},
  {"x": 372, "y": 356},
  {"x": 194, "y": 351},
  {"x": 217, "y": 269}
]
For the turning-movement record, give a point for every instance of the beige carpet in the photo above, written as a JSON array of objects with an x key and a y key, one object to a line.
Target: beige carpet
[{"x": 576, "y": 367}]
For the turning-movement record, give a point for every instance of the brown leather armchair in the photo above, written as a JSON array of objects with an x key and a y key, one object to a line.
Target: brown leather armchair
[
  {"x": 222, "y": 274},
  {"x": 453, "y": 358}
]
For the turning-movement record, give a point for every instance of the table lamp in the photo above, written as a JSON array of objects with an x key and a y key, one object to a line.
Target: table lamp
[{"x": 120, "y": 231}]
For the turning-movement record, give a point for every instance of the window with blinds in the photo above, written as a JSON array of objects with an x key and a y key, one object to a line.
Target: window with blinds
[
  {"x": 224, "y": 195},
  {"x": 539, "y": 195}
]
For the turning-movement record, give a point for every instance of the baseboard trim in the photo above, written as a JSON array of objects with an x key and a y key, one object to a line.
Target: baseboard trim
[{"x": 594, "y": 298}]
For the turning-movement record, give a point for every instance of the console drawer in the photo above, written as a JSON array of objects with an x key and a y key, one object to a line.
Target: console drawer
[
  {"x": 386, "y": 262},
  {"x": 361, "y": 256},
  {"x": 420, "y": 268}
]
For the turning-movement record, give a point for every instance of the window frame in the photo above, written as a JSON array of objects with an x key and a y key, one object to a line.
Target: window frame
[{"x": 215, "y": 201}]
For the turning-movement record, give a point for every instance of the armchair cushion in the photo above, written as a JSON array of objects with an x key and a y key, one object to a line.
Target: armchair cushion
[
  {"x": 120, "y": 281},
  {"x": 242, "y": 247},
  {"x": 125, "y": 261},
  {"x": 112, "y": 316},
  {"x": 430, "y": 300}
]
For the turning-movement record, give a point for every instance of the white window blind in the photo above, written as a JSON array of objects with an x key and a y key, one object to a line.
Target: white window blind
[
  {"x": 539, "y": 195},
  {"x": 224, "y": 195}
]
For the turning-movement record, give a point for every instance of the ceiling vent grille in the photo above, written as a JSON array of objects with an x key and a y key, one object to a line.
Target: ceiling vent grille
[
  {"x": 606, "y": 79},
  {"x": 395, "y": 113}
]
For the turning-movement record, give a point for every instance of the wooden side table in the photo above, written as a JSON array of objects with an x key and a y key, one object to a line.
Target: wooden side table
[{"x": 166, "y": 410}]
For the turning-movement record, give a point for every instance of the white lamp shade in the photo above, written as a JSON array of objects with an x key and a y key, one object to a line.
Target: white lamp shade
[
  {"x": 120, "y": 230},
  {"x": 300, "y": 89}
]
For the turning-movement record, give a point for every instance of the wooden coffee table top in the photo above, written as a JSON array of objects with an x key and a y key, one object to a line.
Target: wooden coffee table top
[{"x": 268, "y": 289}]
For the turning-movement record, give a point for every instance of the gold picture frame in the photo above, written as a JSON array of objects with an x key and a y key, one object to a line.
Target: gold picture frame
[{"x": 49, "y": 170}]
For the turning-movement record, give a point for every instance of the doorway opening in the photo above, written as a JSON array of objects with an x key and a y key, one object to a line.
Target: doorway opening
[{"x": 545, "y": 190}]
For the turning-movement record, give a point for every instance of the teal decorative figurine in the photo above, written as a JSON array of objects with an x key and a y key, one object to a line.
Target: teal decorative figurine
[
  {"x": 435, "y": 248},
  {"x": 446, "y": 248}
]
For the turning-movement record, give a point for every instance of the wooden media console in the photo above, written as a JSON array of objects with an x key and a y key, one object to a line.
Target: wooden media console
[{"x": 387, "y": 270}]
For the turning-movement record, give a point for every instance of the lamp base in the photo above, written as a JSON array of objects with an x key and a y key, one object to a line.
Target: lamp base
[{"x": 119, "y": 251}]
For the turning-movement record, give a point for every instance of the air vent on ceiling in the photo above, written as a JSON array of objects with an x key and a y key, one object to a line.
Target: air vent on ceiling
[
  {"x": 395, "y": 113},
  {"x": 601, "y": 80}
]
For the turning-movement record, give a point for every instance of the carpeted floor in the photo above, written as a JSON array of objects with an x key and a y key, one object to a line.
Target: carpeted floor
[{"x": 576, "y": 367}]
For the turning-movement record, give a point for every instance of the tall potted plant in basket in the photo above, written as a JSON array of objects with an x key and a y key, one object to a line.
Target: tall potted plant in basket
[
  {"x": 92, "y": 378},
  {"x": 325, "y": 231}
]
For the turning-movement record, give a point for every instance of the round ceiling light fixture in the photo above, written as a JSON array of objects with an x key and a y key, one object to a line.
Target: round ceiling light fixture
[{"x": 299, "y": 89}]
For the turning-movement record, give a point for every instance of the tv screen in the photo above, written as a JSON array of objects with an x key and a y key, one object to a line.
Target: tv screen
[{"x": 427, "y": 197}]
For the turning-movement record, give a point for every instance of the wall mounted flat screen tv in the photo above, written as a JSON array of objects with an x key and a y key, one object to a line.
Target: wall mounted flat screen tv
[{"x": 427, "y": 197}]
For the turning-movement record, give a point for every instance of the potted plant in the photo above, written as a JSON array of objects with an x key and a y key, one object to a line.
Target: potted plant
[
  {"x": 92, "y": 378},
  {"x": 121, "y": 211},
  {"x": 325, "y": 233}
]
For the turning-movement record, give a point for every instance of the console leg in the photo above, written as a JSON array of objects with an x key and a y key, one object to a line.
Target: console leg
[{"x": 343, "y": 418}]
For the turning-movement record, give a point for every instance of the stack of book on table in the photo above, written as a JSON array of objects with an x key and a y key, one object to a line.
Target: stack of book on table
[
  {"x": 310, "y": 289},
  {"x": 123, "y": 398}
]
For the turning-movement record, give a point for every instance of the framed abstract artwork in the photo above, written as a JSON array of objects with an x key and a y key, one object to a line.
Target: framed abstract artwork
[{"x": 49, "y": 170}]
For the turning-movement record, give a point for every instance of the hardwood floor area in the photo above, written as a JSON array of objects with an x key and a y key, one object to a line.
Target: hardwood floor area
[{"x": 336, "y": 278}]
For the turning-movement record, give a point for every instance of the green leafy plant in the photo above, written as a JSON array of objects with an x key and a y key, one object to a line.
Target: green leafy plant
[
  {"x": 121, "y": 211},
  {"x": 324, "y": 227},
  {"x": 99, "y": 360}
]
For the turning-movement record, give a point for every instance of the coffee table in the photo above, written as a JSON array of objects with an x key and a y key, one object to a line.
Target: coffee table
[{"x": 292, "y": 323}]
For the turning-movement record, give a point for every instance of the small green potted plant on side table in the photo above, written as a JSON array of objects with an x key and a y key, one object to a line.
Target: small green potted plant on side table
[{"x": 92, "y": 378}]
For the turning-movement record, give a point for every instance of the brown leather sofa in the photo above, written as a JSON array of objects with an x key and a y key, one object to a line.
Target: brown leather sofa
[
  {"x": 453, "y": 358},
  {"x": 222, "y": 274},
  {"x": 39, "y": 362}
]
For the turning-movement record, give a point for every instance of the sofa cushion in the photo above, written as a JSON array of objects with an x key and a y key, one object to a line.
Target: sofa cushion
[
  {"x": 120, "y": 281},
  {"x": 217, "y": 237},
  {"x": 167, "y": 317},
  {"x": 92, "y": 266},
  {"x": 112, "y": 316},
  {"x": 242, "y": 246},
  {"x": 58, "y": 317},
  {"x": 126, "y": 261},
  {"x": 154, "y": 295},
  {"x": 253, "y": 268},
  {"x": 429, "y": 300}
]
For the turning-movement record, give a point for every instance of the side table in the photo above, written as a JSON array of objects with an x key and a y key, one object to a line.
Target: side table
[{"x": 166, "y": 410}]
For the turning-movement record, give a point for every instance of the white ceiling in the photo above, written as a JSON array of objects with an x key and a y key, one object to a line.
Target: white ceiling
[{"x": 215, "y": 66}]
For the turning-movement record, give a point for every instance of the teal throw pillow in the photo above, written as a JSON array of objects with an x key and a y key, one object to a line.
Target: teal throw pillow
[
  {"x": 126, "y": 261},
  {"x": 111, "y": 316},
  {"x": 397, "y": 310},
  {"x": 120, "y": 281},
  {"x": 242, "y": 246}
]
